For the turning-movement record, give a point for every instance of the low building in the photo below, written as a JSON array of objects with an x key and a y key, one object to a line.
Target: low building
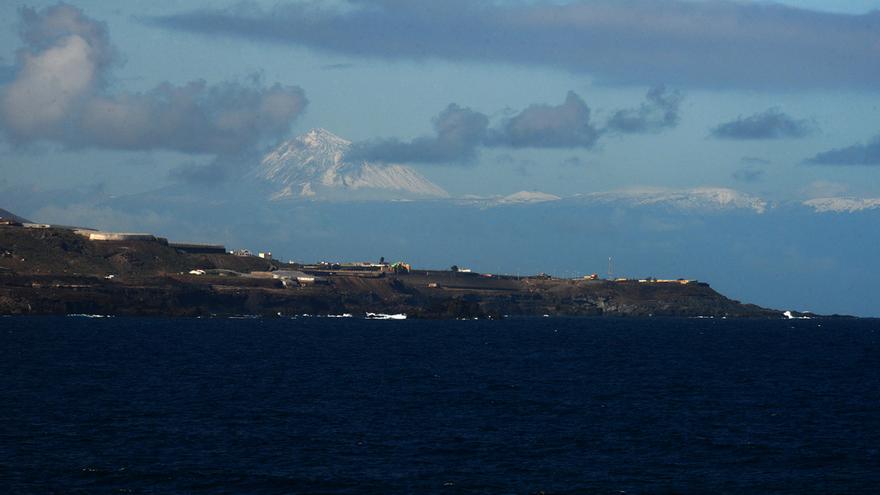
[
  {"x": 96, "y": 235},
  {"x": 266, "y": 256}
]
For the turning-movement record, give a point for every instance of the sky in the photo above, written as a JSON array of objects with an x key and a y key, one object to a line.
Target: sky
[
  {"x": 769, "y": 98},
  {"x": 774, "y": 99}
]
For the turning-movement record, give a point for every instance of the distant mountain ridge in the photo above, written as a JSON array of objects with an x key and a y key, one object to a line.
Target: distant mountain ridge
[
  {"x": 842, "y": 205},
  {"x": 702, "y": 199},
  {"x": 696, "y": 199},
  {"x": 314, "y": 166}
]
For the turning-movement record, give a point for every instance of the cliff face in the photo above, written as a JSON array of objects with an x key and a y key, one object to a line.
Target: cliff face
[{"x": 54, "y": 271}]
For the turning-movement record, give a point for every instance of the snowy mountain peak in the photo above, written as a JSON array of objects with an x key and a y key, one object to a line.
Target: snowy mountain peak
[
  {"x": 697, "y": 199},
  {"x": 322, "y": 138},
  {"x": 313, "y": 165},
  {"x": 517, "y": 198},
  {"x": 842, "y": 205},
  {"x": 528, "y": 197}
]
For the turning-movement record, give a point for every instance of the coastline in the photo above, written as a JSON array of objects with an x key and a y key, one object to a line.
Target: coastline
[{"x": 55, "y": 271}]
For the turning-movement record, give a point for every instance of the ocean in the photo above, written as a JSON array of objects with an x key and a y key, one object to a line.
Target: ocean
[{"x": 333, "y": 406}]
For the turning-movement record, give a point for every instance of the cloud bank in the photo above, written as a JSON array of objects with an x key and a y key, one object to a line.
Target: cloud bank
[
  {"x": 566, "y": 125},
  {"x": 718, "y": 43},
  {"x": 460, "y": 132},
  {"x": 59, "y": 93},
  {"x": 771, "y": 124},
  {"x": 857, "y": 154}
]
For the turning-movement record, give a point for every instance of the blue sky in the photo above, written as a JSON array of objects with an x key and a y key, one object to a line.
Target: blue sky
[
  {"x": 778, "y": 100},
  {"x": 389, "y": 93}
]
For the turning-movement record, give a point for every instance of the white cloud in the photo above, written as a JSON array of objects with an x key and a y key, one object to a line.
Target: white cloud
[
  {"x": 58, "y": 94},
  {"x": 49, "y": 84}
]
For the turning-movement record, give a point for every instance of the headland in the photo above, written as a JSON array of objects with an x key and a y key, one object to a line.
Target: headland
[{"x": 54, "y": 270}]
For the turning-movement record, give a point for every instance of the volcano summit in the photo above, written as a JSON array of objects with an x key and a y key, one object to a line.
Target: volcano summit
[{"x": 314, "y": 166}]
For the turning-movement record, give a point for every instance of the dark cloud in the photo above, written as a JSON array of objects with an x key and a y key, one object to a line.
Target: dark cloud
[
  {"x": 458, "y": 132},
  {"x": 685, "y": 43},
  {"x": 58, "y": 95},
  {"x": 771, "y": 124},
  {"x": 857, "y": 154},
  {"x": 659, "y": 111},
  {"x": 748, "y": 174},
  {"x": 566, "y": 125}
]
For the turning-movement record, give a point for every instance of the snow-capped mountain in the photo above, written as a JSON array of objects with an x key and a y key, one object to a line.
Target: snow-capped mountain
[
  {"x": 842, "y": 205},
  {"x": 517, "y": 198},
  {"x": 697, "y": 199},
  {"x": 528, "y": 197},
  {"x": 314, "y": 165}
]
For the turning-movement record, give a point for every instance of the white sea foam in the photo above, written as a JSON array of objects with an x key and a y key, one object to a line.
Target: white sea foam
[{"x": 383, "y": 316}]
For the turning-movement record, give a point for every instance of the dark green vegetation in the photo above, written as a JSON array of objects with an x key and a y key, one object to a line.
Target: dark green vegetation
[{"x": 56, "y": 271}]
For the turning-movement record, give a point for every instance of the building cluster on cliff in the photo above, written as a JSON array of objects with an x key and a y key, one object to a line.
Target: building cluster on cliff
[{"x": 300, "y": 273}]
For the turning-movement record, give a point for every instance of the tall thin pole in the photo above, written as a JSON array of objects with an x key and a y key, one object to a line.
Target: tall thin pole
[{"x": 610, "y": 269}]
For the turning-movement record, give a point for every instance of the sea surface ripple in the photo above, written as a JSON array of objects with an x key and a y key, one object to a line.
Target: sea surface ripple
[{"x": 265, "y": 406}]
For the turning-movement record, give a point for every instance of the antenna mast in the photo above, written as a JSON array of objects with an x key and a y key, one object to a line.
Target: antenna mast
[{"x": 610, "y": 269}]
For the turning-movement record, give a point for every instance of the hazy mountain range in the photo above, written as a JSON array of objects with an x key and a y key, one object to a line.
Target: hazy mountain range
[
  {"x": 305, "y": 201},
  {"x": 314, "y": 166}
]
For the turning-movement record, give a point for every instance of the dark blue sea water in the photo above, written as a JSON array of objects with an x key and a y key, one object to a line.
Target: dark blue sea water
[{"x": 91, "y": 406}]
